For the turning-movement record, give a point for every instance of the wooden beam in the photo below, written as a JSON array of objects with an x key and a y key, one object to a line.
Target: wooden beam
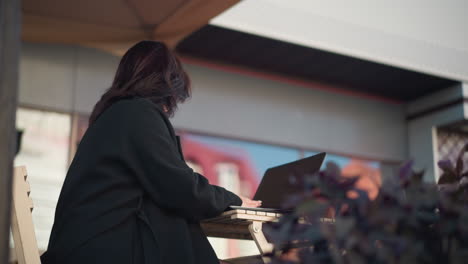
[
  {"x": 49, "y": 29},
  {"x": 188, "y": 18},
  {"x": 193, "y": 15},
  {"x": 10, "y": 28},
  {"x": 169, "y": 25}
]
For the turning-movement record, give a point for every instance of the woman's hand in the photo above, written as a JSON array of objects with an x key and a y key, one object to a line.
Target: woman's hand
[{"x": 246, "y": 202}]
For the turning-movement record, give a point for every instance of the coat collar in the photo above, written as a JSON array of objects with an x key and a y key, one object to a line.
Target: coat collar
[{"x": 175, "y": 137}]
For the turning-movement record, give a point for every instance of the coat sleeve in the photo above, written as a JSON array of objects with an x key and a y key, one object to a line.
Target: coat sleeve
[{"x": 166, "y": 178}]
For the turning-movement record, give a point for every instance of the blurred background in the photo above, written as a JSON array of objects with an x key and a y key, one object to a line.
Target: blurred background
[{"x": 372, "y": 83}]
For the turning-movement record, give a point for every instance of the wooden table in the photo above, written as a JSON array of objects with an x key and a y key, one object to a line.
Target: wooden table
[{"x": 241, "y": 224}]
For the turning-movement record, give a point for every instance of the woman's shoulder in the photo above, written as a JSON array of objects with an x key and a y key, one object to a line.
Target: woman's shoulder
[
  {"x": 138, "y": 114},
  {"x": 135, "y": 103},
  {"x": 130, "y": 112},
  {"x": 134, "y": 108}
]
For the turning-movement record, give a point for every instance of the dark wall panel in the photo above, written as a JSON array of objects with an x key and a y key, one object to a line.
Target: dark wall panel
[{"x": 246, "y": 50}]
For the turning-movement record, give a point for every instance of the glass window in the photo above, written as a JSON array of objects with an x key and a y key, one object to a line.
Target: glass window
[
  {"x": 228, "y": 176},
  {"x": 44, "y": 151},
  {"x": 237, "y": 166},
  {"x": 449, "y": 144},
  {"x": 252, "y": 159},
  {"x": 368, "y": 171}
]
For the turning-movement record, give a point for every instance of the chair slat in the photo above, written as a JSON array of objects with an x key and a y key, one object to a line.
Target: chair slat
[{"x": 22, "y": 225}]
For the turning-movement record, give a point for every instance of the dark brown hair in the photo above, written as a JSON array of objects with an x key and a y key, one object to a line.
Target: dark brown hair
[{"x": 149, "y": 70}]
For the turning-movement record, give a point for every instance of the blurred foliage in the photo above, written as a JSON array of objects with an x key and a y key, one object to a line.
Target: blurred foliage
[{"x": 410, "y": 221}]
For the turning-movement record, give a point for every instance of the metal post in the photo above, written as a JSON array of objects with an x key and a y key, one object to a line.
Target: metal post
[{"x": 10, "y": 28}]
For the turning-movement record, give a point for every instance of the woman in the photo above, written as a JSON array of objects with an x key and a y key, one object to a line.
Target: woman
[{"x": 128, "y": 196}]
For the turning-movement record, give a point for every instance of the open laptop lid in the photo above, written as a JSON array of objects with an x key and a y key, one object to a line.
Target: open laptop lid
[{"x": 275, "y": 186}]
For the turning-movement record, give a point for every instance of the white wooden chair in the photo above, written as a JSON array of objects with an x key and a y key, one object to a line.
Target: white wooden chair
[{"x": 22, "y": 227}]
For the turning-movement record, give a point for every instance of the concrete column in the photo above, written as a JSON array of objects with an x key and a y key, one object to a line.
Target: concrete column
[{"x": 10, "y": 12}]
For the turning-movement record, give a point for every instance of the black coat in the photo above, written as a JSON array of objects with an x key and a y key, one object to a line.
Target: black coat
[{"x": 129, "y": 196}]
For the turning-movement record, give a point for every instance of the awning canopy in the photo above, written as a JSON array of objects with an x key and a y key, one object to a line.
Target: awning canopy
[
  {"x": 114, "y": 25},
  {"x": 427, "y": 36},
  {"x": 308, "y": 66}
]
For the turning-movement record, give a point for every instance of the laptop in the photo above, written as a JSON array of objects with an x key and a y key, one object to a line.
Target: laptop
[{"x": 276, "y": 185}]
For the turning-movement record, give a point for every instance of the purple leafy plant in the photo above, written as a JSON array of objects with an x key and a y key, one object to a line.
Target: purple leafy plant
[
  {"x": 410, "y": 221},
  {"x": 454, "y": 178}
]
